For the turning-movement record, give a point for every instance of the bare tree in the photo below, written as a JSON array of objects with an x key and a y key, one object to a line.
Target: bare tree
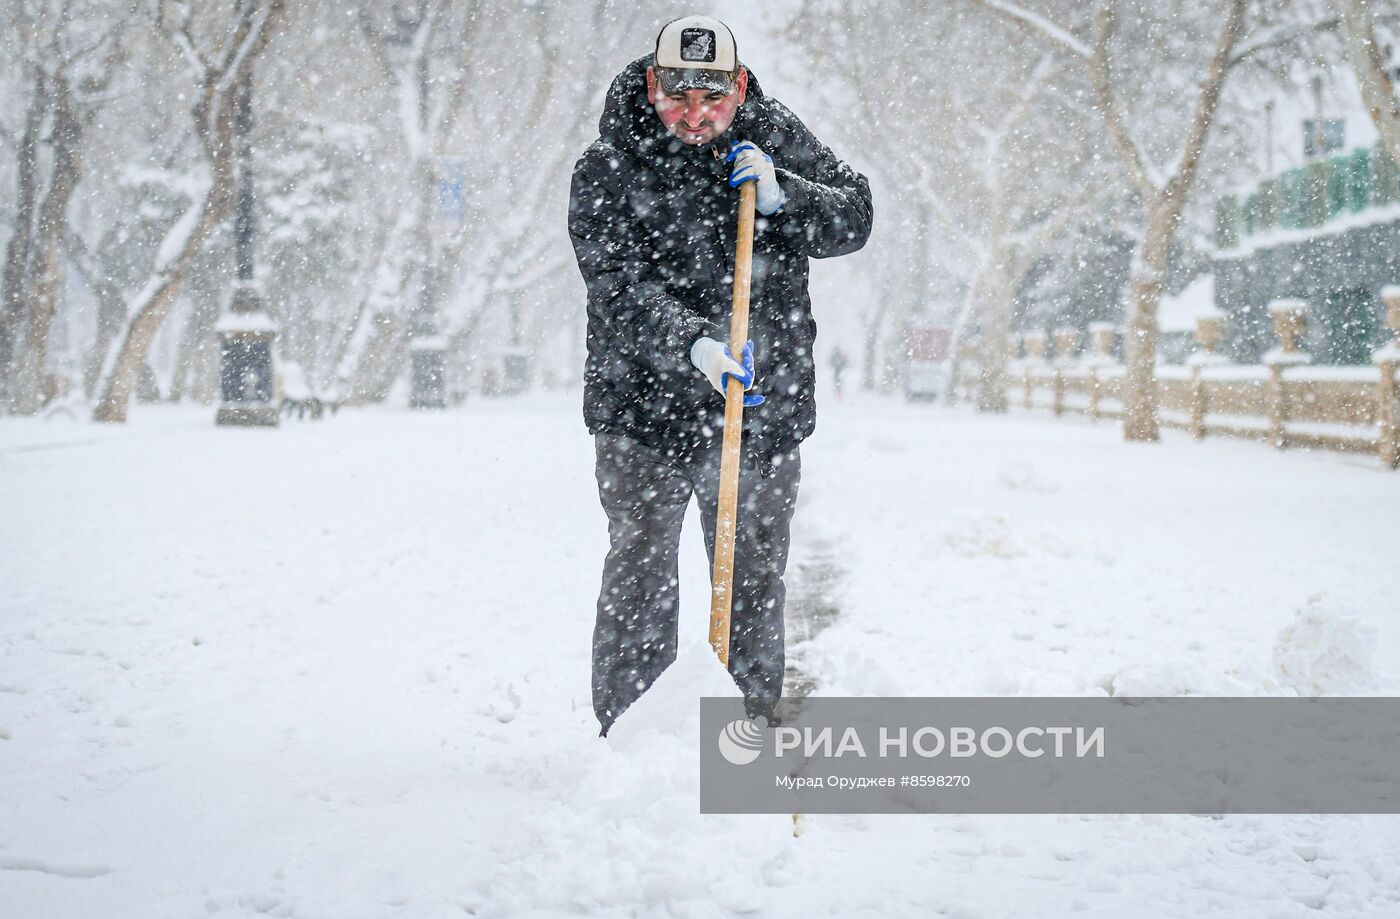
[
  {"x": 17, "y": 251},
  {"x": 906, "y": 131},
  {"x": 987, "y": 154},
  {"x": 111, "y": 307},
  {"x": 1164, "y": 190},
  {"x": 1377, "y": 87},
  {"x": 508, "y": 252},
  {"x": 410, "y": 40},
  {"x": 27, "y": 369},
  {"x": 506, "y": 258},
  {"x": 80, "y": 72},
  {"x": 237, "y": 38},
  {"x": 70, "y": 50},
  {"x": 1025, "y": 141}
]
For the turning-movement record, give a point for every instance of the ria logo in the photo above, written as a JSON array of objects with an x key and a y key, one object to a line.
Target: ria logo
[{"x": 740, "y": 742}]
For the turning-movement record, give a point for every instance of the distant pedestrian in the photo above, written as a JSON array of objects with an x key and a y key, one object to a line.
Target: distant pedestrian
[{"x": 838, "y": 368}]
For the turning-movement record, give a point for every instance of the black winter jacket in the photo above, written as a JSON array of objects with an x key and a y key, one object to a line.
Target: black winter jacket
[{"x": 653, "y": 222}]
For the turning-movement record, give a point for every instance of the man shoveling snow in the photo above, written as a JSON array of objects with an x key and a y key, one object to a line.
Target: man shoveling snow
[{"x": 651, "y": 215}]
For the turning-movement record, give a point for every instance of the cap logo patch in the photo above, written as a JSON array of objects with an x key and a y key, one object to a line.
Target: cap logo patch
[{"x": 698, "y": 45}]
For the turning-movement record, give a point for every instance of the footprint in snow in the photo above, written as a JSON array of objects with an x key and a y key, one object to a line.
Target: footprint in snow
[{"x": 503, "y": 710}]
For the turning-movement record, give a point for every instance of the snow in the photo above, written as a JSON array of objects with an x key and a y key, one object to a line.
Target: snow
[
  {"x": 1369, "y": 432},
  {"x": 1204, "y": 359},
  {"x": 1042, "y": 25},
  {"x": 1326, "y": 652},
  {"x": 1237, "y": 372},
  {"x": 259, "y": 322},
  {"x": 1238, "y": 425},
  {"x": 355, "y": 682},
  {"x": 1281, "y": 358},
  {"x": 177, "y": 238},
  {"x": 1179, "y": 312},
  {"x": 1335, "y": 226},
  {"x": 1386, "y": 354},
  {"x": 1344, "y": 373}
]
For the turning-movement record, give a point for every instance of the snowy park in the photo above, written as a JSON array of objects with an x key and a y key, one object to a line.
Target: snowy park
[
  {"x": 343, "y": 670},
  {"x": 419, "y": 419}
]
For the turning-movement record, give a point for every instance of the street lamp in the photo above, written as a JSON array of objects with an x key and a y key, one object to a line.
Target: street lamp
[
  {"x": 246, "y": 332},
  {"x": 426, "y": 347}
]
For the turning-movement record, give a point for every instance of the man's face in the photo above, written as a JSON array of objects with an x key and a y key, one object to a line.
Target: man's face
[{"x": 696, "y": 116}]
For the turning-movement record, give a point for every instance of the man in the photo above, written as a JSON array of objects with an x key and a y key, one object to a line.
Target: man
[
  {"x": 838, "y": 369},
  {"x": 652, "y": 215}
]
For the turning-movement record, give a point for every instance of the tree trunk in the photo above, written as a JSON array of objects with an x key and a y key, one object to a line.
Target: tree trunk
[
  {"x": 1377, "y": 89},
  {"x": 996, "y": 333},
  {"x": 1145, "y": 284},
  {"x": 871, "y": 347},
  {"x": 389, "y": 312},
  {"x": 366, "y": 382},
  {"x": 111, "y": 310},
  {"x": 13, "y": 297},
  {"x": 192, "y": 370},
  {"x": 178, "y": 250},
  {"x": 42, "y": 287},
  {"x": 962, "y": 323},
  {"x": 159, "y": 294}
]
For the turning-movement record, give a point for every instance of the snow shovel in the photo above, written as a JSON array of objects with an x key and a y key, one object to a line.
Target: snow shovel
[{"x": 722, "y": 584}]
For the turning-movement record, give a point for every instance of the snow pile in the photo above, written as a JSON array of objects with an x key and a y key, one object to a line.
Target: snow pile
[
  {"x": 1168, "y": 678},
  {"x": 971, "y": 534},
  {"x": 979, "y": 534},
  {"x": 849, "y": 668},
  {"x": 595, "y": 846},
  {"x": 670, "y": 711},
  {"x": 1326, "y": 652},
  {"x": 1023, "y": 477}
]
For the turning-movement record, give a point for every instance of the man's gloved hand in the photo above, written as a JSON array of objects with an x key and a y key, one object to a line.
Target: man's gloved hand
[
  {"x": 753, "y": 165},
  {"x": 714, "y": 360}
]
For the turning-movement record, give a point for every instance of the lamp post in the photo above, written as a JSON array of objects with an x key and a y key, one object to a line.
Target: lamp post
[
  {"x": 246, "y": 332},
  {"x": 426, "y": 347},
  {"x": 515, "y": 360}
]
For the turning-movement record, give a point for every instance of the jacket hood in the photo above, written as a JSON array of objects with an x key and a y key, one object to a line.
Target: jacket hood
[{"x": 629, "y": 122}]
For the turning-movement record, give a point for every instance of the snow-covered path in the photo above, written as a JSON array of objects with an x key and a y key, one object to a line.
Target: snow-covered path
[{"x": 341, "y": 669}]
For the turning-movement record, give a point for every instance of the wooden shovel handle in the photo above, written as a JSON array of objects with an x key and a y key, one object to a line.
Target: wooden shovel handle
[{"x": 726, "y": 522}]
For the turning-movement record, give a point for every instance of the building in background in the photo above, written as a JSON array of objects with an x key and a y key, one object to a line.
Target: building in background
[{"x": 1326, "y": 231}]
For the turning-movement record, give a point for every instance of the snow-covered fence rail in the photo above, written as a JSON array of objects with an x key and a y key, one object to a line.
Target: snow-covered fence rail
[
  {"x": 1090, "y": 385},
  {"x": 1285, "y": 401}
]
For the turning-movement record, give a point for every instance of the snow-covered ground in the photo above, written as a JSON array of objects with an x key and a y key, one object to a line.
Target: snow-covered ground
[{"x": 341, "y": 669}]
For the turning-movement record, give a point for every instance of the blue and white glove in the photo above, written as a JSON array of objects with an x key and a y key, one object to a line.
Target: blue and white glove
[
  {"x": 753, "y": 165},
  {"x": 714, "y": 360}
]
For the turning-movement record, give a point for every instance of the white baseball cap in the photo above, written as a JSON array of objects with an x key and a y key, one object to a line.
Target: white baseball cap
[{"x": 696, "y": 52}]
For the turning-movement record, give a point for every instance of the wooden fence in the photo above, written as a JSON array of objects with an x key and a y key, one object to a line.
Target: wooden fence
[{"x": 1285, "y": 401}]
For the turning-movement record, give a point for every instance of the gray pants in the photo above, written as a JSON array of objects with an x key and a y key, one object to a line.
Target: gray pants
[{"x": 645, "y": 494}]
